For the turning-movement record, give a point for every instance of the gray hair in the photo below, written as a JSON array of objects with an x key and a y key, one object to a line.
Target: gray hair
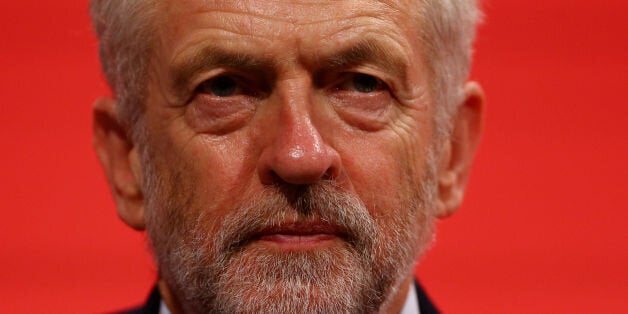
[
  {"x": 126, "y": 35},
  {"x": 448, "y": 30},
  {"x": 125, "y": 29}
]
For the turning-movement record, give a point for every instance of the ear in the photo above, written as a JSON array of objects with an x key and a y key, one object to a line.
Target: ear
[
  {"x": 459, "y": 149},
  {"x": 119, "y": 158}
]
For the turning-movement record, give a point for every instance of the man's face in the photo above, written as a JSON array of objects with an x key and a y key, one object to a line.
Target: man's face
[{"x": 287, "y": 154}]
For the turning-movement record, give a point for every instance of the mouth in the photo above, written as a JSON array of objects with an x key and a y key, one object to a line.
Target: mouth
[{"x": 299, "y": 236}]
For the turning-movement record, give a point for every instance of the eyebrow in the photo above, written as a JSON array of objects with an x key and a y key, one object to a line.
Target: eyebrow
[
  {"x": 367, "y": 51},
  {"x": 212, "y": 57}
]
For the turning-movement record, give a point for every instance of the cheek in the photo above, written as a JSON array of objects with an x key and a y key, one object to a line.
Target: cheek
[
  {"x": 223, "y": 169},
  {"x": 386, "y": 164},
  {"x": 383, "y": 169},
  {"x": 200, "y": 172}
]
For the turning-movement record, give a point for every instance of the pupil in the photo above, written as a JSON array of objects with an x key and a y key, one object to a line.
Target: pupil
[
  {"x": 223, "y": 86},
  {"x": 364, "y": 83}
]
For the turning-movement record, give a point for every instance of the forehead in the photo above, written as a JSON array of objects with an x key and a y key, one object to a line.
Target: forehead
[
  {"x": 305, "y": 22},
  {"x": 291, "y": 11}
]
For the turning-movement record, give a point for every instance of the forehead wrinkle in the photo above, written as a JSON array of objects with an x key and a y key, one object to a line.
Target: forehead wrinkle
[
  {"x": 288, "y": 12},
  {"x": 375, "y": 51},
  {"x": 265, "y": 14}
]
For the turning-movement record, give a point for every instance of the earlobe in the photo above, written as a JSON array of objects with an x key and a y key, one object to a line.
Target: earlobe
[
  {"x": 458, "y": 150},
  {"x": 119, "y": 158}
]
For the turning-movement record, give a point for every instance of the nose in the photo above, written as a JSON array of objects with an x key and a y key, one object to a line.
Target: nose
[{"x": 296, "y": 152}]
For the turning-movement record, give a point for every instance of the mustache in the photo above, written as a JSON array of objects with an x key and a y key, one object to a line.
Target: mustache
[{"x": 322, "y": 207}]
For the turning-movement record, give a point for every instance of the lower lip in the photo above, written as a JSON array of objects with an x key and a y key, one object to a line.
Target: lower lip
[{"x": 298, "y": 242}]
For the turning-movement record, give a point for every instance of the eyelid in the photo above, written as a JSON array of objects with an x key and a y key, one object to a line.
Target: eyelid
[
  {"x": 207, "y": 86},
  {"x": 245, "y": 84},
  {"x": 189, "y": 90},
  {"x": 346, "y": 77}
]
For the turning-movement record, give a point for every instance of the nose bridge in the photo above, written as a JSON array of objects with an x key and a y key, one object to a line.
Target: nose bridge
[
  {"x": 298, "y": 138},
  {"x": 297, "y": 153}
]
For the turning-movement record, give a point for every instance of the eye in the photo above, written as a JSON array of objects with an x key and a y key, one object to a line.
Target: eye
[
  {"x": 221, "y": 86},
  {"x": 362, "y": 83}
]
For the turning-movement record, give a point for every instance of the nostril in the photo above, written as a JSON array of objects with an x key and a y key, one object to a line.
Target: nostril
[
  {"x": 274, "y": 177},
  {"x": 269, "y": 176},
  {"x": 330, "y": 174},
  {"x": 296, "y": 172}
]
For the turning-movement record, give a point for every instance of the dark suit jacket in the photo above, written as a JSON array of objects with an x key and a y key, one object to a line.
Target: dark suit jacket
[{"x": 154, "y": 300}]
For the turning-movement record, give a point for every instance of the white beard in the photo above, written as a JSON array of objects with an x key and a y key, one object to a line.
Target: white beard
[{"x": 210, "y": 269}]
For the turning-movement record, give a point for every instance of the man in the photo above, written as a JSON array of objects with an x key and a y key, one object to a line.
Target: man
[{"x": 287, "y": 156}]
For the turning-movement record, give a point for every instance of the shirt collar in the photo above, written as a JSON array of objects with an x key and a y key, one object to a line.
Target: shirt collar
[{"x": 412, "y": 302}]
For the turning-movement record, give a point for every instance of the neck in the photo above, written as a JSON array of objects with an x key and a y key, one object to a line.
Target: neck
[
  {"x": 171, "y": 302},
  {"x": 397, "y": 299}
]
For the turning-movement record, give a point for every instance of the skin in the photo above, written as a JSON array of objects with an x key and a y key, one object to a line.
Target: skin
[{"x": 296, "y": 116}]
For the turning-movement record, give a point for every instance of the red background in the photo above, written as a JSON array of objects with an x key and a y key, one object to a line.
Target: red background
[{"x": 543, "y": 228}]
